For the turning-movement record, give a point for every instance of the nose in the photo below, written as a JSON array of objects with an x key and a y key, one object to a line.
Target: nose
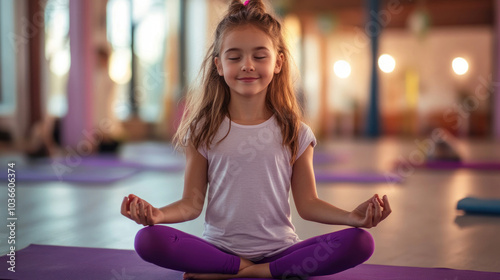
[{"x": 247, "y": 66}]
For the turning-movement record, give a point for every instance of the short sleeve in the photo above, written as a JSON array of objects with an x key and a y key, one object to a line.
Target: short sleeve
[
  {"x": 306, "y": 138},
  {"x": 201, "y": 149}
]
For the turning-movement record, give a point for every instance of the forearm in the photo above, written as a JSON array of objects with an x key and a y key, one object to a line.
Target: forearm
[
  {"x": 321, "y": 211},
  {"x": 180, "y": 211}
]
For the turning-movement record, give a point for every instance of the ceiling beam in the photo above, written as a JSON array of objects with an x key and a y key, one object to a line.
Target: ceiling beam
[{"x": 441, "y": 12}]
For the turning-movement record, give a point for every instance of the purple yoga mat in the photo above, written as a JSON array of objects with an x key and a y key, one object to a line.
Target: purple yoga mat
[
  {"x": 468, "y": 165},
  {"x": 43, "y": 262},
  {"x": 329, "y": 177},
  {"x": 453, "y": 165},
  {"x": 321, "y": 157},
  {"x": 78, "y": 174},
  {"x": 92, "y": 169},
  {"x": 158, "y": 163}
]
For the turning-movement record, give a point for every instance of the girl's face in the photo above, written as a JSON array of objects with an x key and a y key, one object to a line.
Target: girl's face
[{"x": 248, "y": 61}]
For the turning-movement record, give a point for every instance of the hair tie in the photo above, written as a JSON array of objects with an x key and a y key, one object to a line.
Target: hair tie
[{"x": 246, "y": 2}]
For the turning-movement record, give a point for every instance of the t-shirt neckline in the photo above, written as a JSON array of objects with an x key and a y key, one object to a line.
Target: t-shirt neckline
[{"x": 264, "y": 123}]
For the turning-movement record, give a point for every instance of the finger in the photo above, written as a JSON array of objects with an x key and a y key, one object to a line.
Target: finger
[
  {"x": 377, "y": 213},
  {"x": 124, "y": 210},
  {"x": 370, "y": 200},
  {"x": 134, "y": 210},
  {"x": 387, "y": 207},
  {"x": 150, "y": 215},
  {"x": 145, "y": 214},
  {"x": 142, "y": 213},
  {"x": 380, "y": 201},
  {"x": 367, "y": 222}
]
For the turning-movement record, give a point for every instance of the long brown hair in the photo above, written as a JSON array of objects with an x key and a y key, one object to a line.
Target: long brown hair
[{"x": 205, "y": 113}]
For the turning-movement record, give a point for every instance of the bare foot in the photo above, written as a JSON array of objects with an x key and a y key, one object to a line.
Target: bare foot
[
  {"x": 208, "y": 276},
  {"x": 252, "y": 271},
  {"x": 244, "y": 263}
]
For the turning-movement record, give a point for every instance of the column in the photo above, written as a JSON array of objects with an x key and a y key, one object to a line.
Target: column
[
  {"x": 496, "y": 78},
  {"x": 373, "y": 29},
  {"x": 77, "y": 124}
]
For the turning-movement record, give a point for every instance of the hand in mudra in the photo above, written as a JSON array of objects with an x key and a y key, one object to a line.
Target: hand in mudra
[
  {"x": 140, "y": 211},
  {"x": 370, "y": 213}
]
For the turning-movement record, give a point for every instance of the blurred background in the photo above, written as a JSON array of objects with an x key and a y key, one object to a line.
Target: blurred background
[
  {"x": 387, "y": 86},
  {"x": 118, "y": 70}
]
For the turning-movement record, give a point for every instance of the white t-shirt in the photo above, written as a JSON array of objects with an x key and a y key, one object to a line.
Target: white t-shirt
[{"x": 249, "y": 175}]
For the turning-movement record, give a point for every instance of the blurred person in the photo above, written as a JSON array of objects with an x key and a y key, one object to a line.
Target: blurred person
[
  {"x": 44, "y": 139},
  {"x": 104, "y": 98},
  {"x": 444, "y": 149}
]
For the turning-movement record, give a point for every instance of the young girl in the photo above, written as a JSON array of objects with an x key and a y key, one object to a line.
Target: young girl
[{"x": 244, "y": 138}]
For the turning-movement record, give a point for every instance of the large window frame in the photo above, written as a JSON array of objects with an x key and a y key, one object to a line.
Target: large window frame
[{"x": 8, "y": 87}]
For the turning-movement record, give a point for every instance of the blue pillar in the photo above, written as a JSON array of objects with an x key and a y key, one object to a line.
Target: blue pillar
[{"x": 373, "y": 30}]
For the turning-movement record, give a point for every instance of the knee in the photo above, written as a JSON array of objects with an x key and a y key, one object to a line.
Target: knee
[
  {"x": 150, "y": 241},
  {"x": 361, "y": 243}
]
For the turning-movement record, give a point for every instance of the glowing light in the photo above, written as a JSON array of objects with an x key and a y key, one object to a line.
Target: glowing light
[
  {"x": 119, "y": 69},
  {"x": 60, "y": 62},
  {"x": 460, "y": 66},
  {"x": 386, "y": 63},
  {"x": 151, "y": 37},
  {"x": 342, "y": 69},
  {"x": 292, "y": 24}
]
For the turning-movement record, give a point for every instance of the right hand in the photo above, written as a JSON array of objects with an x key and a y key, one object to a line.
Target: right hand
[
  {"x": 370, "y": 213},
  {"x": 140, "y": 211}
]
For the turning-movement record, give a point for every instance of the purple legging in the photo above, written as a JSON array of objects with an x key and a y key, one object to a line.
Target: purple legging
[{"x": 322, "y": 255}]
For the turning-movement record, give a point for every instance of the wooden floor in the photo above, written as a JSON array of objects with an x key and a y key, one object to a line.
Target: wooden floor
[{"x": 424, "y": 230}]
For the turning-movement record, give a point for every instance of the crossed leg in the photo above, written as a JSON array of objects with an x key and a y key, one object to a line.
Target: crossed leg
[{"x": 321, "y": 255}]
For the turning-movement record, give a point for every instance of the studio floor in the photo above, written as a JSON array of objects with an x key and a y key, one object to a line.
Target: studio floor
[{"x": 424, "y": 230}]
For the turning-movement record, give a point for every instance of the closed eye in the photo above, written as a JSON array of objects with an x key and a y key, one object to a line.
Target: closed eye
[
  {"x": 260, "y": 57},
  {"x": 233, "y": 58}
]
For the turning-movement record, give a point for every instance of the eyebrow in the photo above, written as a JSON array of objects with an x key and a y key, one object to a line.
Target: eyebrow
[{"x": 254, "y": 49}]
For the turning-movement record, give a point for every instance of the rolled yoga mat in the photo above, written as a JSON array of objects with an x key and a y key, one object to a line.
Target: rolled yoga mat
[
  {"x": 479, "y": 206},
  {"x": 43, "y": 262},
  {"x": 329, "y": 177}
]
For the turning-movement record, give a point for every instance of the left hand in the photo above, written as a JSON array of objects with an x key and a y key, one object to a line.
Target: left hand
[{"x": 370, "y": 213}]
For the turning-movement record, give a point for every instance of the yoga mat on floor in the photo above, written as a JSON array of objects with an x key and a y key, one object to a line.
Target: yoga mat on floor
[
  {"x": 78, "y": 173},
  {"x": 157, "y": 163},
  {"x": 479, "y": 206},
  {"x": 92, "y": 169},
  {"x": 153, "y": 155},
  {"x": 321, "y": 157},
  {"x": 43, "y": 262},
  {"x": 329, "y": 177},
  {"x": 455, "y": 165}
]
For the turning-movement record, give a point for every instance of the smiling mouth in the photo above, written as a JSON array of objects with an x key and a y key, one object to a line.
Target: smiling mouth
[{"x": 247, "y": 80}]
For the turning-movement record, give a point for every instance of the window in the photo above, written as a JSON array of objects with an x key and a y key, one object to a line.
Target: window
[
  {"x": 140, "y": 78},
  {"x": 57, "y": 53},
  {"x": 8, "y": 58}
]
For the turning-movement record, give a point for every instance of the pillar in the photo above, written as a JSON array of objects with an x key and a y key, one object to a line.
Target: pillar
[
  {"x": 496, "y": 79},
  {"x": 373, "y": 29},
  {"x": 77, "y": 124}
]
